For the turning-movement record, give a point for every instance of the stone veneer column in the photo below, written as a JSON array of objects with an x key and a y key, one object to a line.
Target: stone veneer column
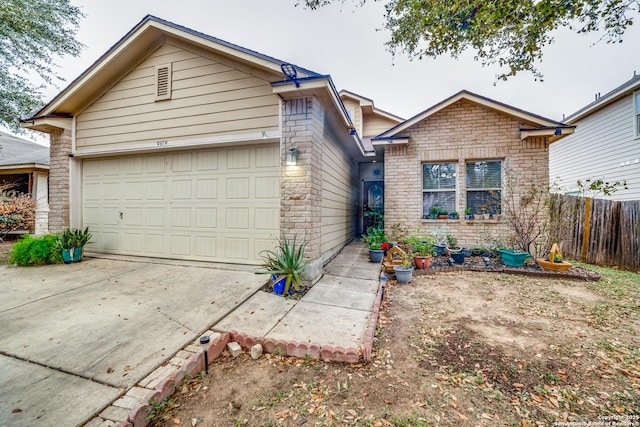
[
  {"x": 301, "y": 185},
  {"x": 60, "y": 143},
  {"x": 41, "y": 197}
]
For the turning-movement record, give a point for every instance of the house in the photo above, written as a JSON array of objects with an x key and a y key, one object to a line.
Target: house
[
  {"x": 176, "y": 144},
  {"x": 24, "y": 165},
  {"x": 608, "y": 130},
  {"x": 455, "y": 155}
]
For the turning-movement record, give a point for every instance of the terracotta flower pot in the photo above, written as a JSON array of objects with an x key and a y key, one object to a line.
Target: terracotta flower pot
[{"x": 422, "y": 262}]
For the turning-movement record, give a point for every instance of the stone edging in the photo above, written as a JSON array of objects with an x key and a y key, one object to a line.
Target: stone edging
[{"x": 133, "y": 408}]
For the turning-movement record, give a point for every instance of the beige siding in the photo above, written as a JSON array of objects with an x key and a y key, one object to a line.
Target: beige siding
[
  {"x": 374, "y": 125},
  {"x": 354, "y": 107},
  {"x": 209, "y": 98},
  {"x": 339, "y": 197},
  {"x": 600, "y": 147}
]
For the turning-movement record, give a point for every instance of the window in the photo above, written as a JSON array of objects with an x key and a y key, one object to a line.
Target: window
[
  {"x": 637, "y": 112},
  {"x": 484, "y": 186},
  {"x": 438, "y": 186}
]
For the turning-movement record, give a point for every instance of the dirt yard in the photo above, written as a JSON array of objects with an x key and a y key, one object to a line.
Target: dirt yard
[
  {"x": 454, "y": 349},
  {"x": 5, "y": 248}
]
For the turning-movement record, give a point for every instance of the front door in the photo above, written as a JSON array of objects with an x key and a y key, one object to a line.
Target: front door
[{"x": 372, "y": 205}]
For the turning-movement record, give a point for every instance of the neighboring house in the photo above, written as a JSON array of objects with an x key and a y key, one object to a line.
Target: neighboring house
[
  {"x": 606, "y": 144},
  {"x": 454, "y": 155},
  {"x": 25, "y": 166},
  {"x": 176, "y": 144}
]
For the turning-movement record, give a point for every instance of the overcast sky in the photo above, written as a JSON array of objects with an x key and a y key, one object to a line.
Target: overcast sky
[{"x": 346, "y": 42}]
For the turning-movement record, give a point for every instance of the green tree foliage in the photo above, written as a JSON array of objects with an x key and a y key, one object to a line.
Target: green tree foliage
[
  {"x": 511, "y": 33},
  {"x": 32, "y": 32}
]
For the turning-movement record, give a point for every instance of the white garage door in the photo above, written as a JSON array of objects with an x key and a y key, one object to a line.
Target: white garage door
[{"x": 218, "y": 205}]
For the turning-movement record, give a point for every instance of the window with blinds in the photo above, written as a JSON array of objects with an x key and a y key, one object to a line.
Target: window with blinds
[
  {"x": 484, "y": 186},
  {"x": 438, "y": 186}
]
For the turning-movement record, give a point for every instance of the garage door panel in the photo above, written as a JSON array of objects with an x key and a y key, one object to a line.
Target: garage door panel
[
  {"x": 154, "y": 190},
  {"x": 207, "y": 161},
  {"x": 212, "y": 205},
  {"x": 238, "y": 158},
  {"x": 207, "y": 189},
  {"x": 238, "y": 188},
  {"x": 181, "y": 189}
]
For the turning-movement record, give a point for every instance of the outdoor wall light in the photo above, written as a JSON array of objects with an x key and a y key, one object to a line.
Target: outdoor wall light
[
  {"x": 204, "y": 342},
  {"x": 292, "y": 156}
]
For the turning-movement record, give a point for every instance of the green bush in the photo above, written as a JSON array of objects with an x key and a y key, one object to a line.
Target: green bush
[{"x": 31, "y": 250}]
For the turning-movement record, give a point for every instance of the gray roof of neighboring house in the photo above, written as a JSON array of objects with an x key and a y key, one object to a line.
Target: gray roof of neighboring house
[
  {"x": 15, "y": 151},
  {"x": 624, "y": 89}
]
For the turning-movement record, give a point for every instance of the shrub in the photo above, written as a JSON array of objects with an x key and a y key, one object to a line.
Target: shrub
[
  {"x": 31, "y": 250},
  {"x": 17, "y": 212}
]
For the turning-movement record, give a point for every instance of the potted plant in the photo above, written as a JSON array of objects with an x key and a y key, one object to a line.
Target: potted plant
[
  {"x": 513, "y": 258},
  {"x": 443, "y": 214},
  {"x": 422, "y": 249},
  {"x": 377, "y": 243},
  {"x": 434, "y": 211},
  {"x": 72, "y": 241},
  {"x": 468, "y": 214},
  {"x": 404, "y": 271},
  {"x": 453, "y": 214},
  {"x": 285, "y": 264}
]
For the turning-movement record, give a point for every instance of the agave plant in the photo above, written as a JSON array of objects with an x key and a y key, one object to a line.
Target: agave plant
[{"x": 286, "y": 260}]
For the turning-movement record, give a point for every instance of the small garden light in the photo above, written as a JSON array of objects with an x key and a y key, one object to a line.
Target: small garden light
[{"x": 204, "y": 342}]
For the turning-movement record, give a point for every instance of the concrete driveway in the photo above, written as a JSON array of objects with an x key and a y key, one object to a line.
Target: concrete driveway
[{"x": 75, "y": 337}]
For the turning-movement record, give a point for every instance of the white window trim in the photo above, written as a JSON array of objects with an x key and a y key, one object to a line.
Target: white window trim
[
  {"x": 440, "y": 190},
  {"x": 473, "y": 189}
]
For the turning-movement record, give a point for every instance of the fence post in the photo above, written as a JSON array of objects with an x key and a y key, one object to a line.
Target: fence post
[{"x": 585, "y": 230}]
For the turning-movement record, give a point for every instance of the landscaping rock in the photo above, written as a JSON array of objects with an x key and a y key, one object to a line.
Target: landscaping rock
[
  {"x": 256, "y": 351},
  {"x": 234, "y": 348}
]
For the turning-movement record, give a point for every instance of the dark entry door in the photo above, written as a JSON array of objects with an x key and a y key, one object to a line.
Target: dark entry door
[{"x": 372, "y": 204}]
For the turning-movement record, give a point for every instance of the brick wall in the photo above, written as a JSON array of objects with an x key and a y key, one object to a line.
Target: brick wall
[
  {"x": 301, "y": 185},
  {"x": 464, "y": 131},
  {"x": 60, "y": 143}
]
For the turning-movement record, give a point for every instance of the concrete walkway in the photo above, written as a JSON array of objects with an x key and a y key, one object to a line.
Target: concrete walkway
[
  {"x": 335, "y": 312},
  {"x": 108, "y": 336}
]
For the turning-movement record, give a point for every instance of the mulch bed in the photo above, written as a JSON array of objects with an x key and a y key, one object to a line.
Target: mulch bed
[{"x": 439, "y": 264}]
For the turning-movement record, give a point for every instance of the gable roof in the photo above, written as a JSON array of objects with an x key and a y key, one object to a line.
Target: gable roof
[
  {"x": 147, "y": 35},
  {"x": 624, "y": 89},
  {"x": 368, "y": 106},
  {"x": 18, "y": 153},
  {"x": 543, "y": 122}
]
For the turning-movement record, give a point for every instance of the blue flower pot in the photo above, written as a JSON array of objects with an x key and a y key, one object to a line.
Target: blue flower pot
[
  {"x": 376, "y": 255},
  {"x": 278, "y": 284}
]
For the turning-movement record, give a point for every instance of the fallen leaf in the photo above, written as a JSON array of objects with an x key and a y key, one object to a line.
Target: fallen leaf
[
  {"x": 176, "y": 420},
  {"x": 462, "y": 416},
  {"x": 109, "y": 370},
  {"x": 16, "y": 410}
]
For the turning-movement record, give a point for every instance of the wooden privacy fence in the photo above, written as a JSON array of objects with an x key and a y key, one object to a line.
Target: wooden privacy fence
[{"x": 605, "y": 232}]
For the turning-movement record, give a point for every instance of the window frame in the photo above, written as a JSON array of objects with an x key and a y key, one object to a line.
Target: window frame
[
  {"x": 454, "y": 190},
  {"x": 468, "y": 189},
  {"x": 636, "y": 113}
]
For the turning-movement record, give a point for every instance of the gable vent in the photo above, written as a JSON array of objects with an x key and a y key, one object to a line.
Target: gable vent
[{"x": 163, "y": 82}]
